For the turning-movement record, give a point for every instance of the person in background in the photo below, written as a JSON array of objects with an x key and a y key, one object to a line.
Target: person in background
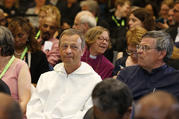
[
  {"x": 162, "y": 21},
  {"x": 152, "y": 73},
  {"x": 10, "y": 109},
  {"x": 49, "y": 25},
  {"x": 84, "y": 20},
  {"x": 34, "y": 11},
  {"x": 27, "y": 48},
  {"x": 10, "y": 7},
  {"x": 93, "y": 7},
  {"x": 3, "y": 19},
  {"x": 44, "y": 12},
  {"x": 97, "y": 39},
  {"x": 66, "y": 91},
  {"x": 134, "y": 37},
  {"x": 140, "y": 17},
  {"x": 117, "y": 21},
  {"x": 14, "y": 72},
  {"x": 68, "y": 9},
  {"x": 174, "y": 30},
  {"x": 155, "y": 105},
  {"x": 171, "y": 21},
  {"x": 112, "y": 99}
]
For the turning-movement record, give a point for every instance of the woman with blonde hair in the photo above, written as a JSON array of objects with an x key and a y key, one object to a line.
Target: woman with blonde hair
[
  {"x": 134, "y": 37},
  {"x": 97, "y": 40}
]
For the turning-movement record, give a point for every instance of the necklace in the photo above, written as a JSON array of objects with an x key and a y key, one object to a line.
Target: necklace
[{"x": 22, "y": 54}]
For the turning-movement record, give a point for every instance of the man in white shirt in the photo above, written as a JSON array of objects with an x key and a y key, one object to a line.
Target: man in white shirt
[{"x": 65, "y": 93}]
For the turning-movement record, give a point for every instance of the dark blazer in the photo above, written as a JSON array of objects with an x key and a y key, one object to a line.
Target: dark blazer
[{"x": 39, "y": 65}]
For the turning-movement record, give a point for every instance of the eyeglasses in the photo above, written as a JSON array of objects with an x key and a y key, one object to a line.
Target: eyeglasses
[
  {"x": 131, "y": 52},
  {"x": 144, "y": 47},
  {"x": 101, "y": 39}
]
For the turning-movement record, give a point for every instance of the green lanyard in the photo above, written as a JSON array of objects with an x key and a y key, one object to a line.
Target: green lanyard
[
  {"x": 122, "y": 22},
  {"x": 7, "y": 66},
  {"x": 23, "y": 53},
  {"x": 37, "y": 35}
]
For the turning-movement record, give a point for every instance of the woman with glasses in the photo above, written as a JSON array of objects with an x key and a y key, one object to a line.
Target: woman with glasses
[
  {"x": 97, "y": 39},
  {"x": 27, "y": 48},
  {"x": 134, "y": 37}
]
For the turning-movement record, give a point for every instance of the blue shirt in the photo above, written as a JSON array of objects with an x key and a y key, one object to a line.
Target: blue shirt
[{"x": 142, "y": 82}]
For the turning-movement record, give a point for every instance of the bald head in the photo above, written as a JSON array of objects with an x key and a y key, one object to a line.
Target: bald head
[
  {"x": 9, "y": 108},
  {"x": 84, "y": 20},
  {"x": 155, "y": 105}
]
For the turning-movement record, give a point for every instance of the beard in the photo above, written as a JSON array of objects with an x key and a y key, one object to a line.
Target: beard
[{"x": 45, "y": 37}]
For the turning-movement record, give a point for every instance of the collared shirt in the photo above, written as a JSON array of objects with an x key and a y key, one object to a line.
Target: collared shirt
[{"x": 142, "y": 82}]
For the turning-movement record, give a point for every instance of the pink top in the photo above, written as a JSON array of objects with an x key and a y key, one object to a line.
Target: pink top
[
  {"x": 53, "y": 55},
  {"x": 11, "y": 77}
]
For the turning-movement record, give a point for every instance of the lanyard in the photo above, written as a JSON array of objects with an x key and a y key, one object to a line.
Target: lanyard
[
  {"x": 37, "y": 35},
  {"x": 7, "y": 66},
  {"x": 23, "y": 53},
  {"x": 122, "y": 22}
]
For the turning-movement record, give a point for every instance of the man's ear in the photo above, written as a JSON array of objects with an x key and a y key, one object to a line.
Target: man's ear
[
  {"x": 162, "y": 54},
  {"x": 127, "y": 115}
]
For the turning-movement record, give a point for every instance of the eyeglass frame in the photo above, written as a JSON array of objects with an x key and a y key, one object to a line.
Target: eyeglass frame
[
  {"x": 144, "y": 47},
  {"x": 131, "y": 52}
]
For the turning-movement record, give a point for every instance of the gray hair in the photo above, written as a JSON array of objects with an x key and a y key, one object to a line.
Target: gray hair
[
  {"x": 6, "y": 42},
  {"x": 112, "y": 94},
  {"x": 71, "y": 32},
  {"x": 90, "y": 20},
  {"x": 163, "y": 41},
  {"x": 92, "y": 5}
]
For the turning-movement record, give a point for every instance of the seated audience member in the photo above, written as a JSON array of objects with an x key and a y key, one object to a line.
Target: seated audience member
[
  {"x": 151, "y": 7},
  {"x": 14, "y": 72},
  {"x": 3, "y": 20},
  {"x": 112, "y": 99},
  {"x": 34, "y": 11},
  {"x": 84, "y": 20},
  {"x": 162, "y": 21},
  {"x": 152, "y": 73},
  {"x": 171, "y": 21},
  {"x": 4, "y": 87},
  {"x": 45, "y": 11},
  {"x": 10, "y": 109},
  {"x": 97, "y": 39},
  {"x": 27, "y": 48},
  {"x": 48, "y": 26},
  {"x": 10, "y": 7},
  {"x": 155, "y": 105},
  {"x": 68, "y": 95},
  {"x": 141, "y": 18},
  {"x": 174, "y": 31},
  {"x": 69, "y": 9},
  {"x": 93, "y": 7},
  {"x": 134, "y": 37}
]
